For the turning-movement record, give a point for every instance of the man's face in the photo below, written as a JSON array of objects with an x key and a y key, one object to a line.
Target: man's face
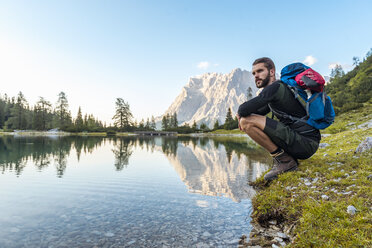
[{"x": 261, "y": 75}]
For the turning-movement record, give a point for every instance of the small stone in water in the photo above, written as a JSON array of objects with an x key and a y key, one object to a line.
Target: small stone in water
[
  {"x": 131, "y": 242},
  {"x": 109, "y": 234},
  {"x": 207, "y": 234}
]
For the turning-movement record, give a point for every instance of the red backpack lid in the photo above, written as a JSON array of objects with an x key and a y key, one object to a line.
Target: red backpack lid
[{"x": 310, "y": 79}]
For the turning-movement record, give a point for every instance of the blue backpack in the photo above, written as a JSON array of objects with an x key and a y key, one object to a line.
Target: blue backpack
[{"x": 308, "y": 87}]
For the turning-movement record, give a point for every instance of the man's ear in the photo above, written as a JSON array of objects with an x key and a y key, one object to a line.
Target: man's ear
[{"x": 272, "y": 73}]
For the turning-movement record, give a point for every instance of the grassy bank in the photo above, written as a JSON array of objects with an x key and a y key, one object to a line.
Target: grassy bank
[{"x": 314, "y": 199}]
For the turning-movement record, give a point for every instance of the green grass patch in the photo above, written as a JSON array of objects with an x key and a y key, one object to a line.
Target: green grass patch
[{"x": 223, "y": 131}]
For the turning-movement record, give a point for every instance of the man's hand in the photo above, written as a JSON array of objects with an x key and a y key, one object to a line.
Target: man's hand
[{"x": 238, "y": 116}]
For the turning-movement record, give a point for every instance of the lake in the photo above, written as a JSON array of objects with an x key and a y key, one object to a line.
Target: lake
[{"x": 126, "y": 192}]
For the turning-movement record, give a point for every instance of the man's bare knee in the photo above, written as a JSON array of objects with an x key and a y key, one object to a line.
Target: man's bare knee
[{"x": 246, "y": 123}]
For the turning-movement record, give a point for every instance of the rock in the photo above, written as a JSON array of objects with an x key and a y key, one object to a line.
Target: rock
[
  {"x": 282, "y": 235},
  {"x": 367, "y": 124},
  {"x": 347, "y": 193},
  {"x": 369, "y": 177},
  {"x": 232, "y": 242},
  {"x": 109, "y": 234},
  {"x": 326, "y": 135},
  {"x": 273, "y": 222},
  {"x": 277, "y": 239},
  {"x": 274, "y": 246},
  {"x": 323, "y": 145},
  {"x": 131, "y": 242},
  {"x": 201, "y": 245},
  {"x": 350, "y": 124},
  {"x": 364, "y": 146},
  {"x": 282, "y": 244},
  {"x": 351, "y": 209},
  {"x": 325, "y": 197},
  {"x": 206, "y": 234},
  {"x": 325, "y": 155},
  {"x": 254, "y": 240}
]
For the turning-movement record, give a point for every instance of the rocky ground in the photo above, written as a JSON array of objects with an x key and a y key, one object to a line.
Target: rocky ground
[{"x": 327, "y": 202}]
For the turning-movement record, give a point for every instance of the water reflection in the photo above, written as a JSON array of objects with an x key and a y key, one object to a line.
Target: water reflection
[
  {"x": 125, "y": 192},
  {"x": 215, "y": 167}
]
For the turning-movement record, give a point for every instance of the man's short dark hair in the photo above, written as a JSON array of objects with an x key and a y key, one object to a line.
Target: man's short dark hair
[{"x": 269, "y": 64}]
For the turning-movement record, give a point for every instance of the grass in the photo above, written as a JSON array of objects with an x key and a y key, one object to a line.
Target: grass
[
  {"x": 223, "y": 131},
  {"x": 295, "y": 198}
]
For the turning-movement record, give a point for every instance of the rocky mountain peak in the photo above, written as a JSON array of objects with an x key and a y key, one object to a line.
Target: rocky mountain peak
[{"x": 207, "y": 97}]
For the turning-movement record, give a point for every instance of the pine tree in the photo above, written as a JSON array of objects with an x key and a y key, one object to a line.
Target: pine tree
[
  {"x": 164, "y": 122},
  {"x": 194, "y": 126},
  {"x": 63, "y": 115},
  {"x": 123, "y": 115},
  {"x": 42, "y": 115},
  {"x": 216, "y": 125},
  {"x": 79, "y": 122},
  {"x": 147, "y": 126},
  {"x": 18, "y": 118},
  {"x": 174, "y": 120},
  {"x": 249, "y": 93},
  {"x": 153, "y": 124},
  {"x": 229, "y": 121}
]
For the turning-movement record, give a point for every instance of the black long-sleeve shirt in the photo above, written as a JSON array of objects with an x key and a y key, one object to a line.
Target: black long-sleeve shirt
[{"x": 280, "y": 98}]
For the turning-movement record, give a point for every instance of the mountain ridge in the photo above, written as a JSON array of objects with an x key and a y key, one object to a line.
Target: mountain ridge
[{"x": 207, "y": 97}]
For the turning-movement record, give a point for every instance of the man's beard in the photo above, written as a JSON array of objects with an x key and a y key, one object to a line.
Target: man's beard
[{"x": 265, "y": 82}]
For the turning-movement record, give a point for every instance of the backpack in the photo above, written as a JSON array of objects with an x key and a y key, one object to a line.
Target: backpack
[{"x": 308, "y": 87}]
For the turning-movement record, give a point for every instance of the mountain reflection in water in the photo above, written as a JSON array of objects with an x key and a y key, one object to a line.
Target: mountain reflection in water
[{"x": 216, "y": 167}]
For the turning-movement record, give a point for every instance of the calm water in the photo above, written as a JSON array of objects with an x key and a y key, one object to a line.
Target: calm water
[{"x": 126, "y": 192}]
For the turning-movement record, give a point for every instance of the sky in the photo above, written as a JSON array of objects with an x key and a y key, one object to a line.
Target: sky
[{"x": 145, "y": 51}]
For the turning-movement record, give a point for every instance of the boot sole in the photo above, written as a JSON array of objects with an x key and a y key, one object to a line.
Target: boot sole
[{"x": 276, "y": 176}]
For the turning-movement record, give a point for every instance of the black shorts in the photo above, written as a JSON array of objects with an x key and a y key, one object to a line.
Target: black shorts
[{"x": 290, "y": 140}]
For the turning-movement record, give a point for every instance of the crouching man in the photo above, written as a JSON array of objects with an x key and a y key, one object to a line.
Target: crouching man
[{"x": 286, "y": 140}]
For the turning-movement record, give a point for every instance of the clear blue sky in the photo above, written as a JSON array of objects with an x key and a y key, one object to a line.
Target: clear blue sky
[{"x": 145, "y": 51}]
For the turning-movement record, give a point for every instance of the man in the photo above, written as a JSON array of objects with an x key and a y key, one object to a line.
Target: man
[{"x": 286, "y": 140}]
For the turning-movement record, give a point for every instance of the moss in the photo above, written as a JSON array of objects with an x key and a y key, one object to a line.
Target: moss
[{"x": 335, "y": 171}]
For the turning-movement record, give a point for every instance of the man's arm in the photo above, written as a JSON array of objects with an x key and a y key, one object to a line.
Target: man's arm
[{"x": 258, "y": 105}]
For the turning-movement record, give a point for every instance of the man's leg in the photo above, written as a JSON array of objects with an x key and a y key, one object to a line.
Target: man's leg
[{"x": 254, "y": 125}]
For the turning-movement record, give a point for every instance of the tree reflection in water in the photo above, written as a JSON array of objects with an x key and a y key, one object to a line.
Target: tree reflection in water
[
  {"x": 122, "y": 152},
  {"x": 207, "y": 166}
]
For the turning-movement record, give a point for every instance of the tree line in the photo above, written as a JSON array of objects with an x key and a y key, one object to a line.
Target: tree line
[
  {"x": 17, "y": 114},
  {"x": 349, "y": 91}
]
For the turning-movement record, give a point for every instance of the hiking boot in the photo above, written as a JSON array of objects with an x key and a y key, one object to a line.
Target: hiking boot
[{"x": 283, "y": 162}]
